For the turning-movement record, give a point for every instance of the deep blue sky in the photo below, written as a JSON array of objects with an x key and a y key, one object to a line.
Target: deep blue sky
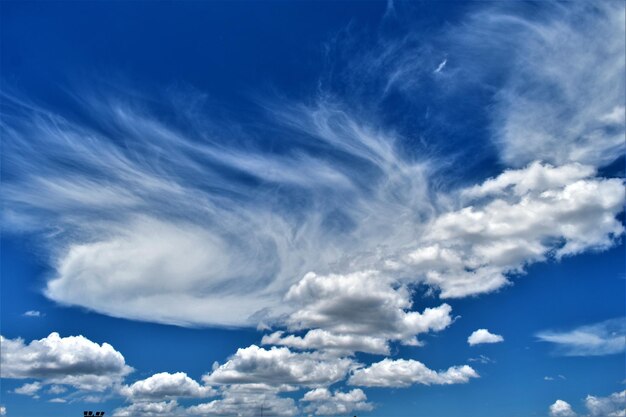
[{"x": 172, "y": 170}]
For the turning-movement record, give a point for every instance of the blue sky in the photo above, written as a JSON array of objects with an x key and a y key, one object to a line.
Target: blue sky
[{"x": 313, "y": 208}]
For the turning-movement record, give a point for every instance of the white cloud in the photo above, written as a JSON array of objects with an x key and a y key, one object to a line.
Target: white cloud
[
  {"x": 58, "y": 400},
  {"x": 57, "y": 389},
  {"x": 32, "y": 313},
  {"x": 403, "y": 373},
  {"x": 557, "y": 102},
  {"x": 247, "y": 401},
  {"x": 276, "y": 366},
  {"x": 613, "y": 405},
  {"x": 3, "y": 410},
  {"x": 604, "y": 338},
  {"x": 361, "y": 303},
  {"x": 324, "y": 402},
  {"x": 73, "y": 360},
  {"x": 561, "y": 408},
  {"x": 164, "y": 386},
  {"x": 483, "y": 336},
  {"x": 149, "y": 409},
  {"x": 518, "y": 218},
  {"x": 324, "y": 340},
  {"x": 28, "y": 389}
]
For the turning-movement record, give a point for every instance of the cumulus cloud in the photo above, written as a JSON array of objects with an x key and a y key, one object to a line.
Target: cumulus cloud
[
  {"x": 3, "y": 410},
  {"x": 604, "y": 338},
  {"x": 73, "y": 360},
  {"x": 509, "y": 222},
  {"x": 28, "y": 389},
  {"x": 247, "y": 401},
  {"x": 483, "y": 336},
  {"x": 345, "y": 310},
  {"x": 561, "y": 408},
  {"x": 403, "y": 373},
  {"x": 276, "y": 366},
  {"x": 322, "y": 401},
  {"x": 150, "y": 409},
  {"x": 613, "y": 405},
  {"x": 165, "y": 385}
]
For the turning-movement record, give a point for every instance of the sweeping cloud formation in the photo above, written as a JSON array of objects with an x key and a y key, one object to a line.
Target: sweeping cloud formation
[{"x": 345, "y": 232}]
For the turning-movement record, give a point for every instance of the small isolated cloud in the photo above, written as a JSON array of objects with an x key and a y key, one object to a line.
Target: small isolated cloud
[
  {"x": 58, "y": 400},
  {"x": 482, "y": 359},
  {"x": 604, "y": 338},
  {"x": 28, "y": 389},
  {"x": 3, "y": 410},
  {"x": 483, "y": 336},
  {"x": 32, "y": 313},
  {"x": 403, "y": 373},
  {"x": 323, "y": 402},
  {"x": 561, "y": 408}
]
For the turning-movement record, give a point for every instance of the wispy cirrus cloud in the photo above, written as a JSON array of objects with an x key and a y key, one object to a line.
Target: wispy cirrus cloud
[{"x": 604, "y": 338}]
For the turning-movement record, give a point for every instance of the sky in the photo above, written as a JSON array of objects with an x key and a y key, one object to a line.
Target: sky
[{"x": 307, "y": 208}]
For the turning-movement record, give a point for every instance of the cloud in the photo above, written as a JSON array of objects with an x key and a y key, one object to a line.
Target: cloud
[
  {"x": 247, "y": 401},
  {"x": 553, "y": 100},
  {"x": 403, "y": 373},
  {"x": 32, "y": 313},
  {"x": 276, "y": 366},
  {"x": 28, "y": 389},
  {"x": 613, "y": 405},
  {"x": 321, "y": 401},
  {"x": 604, "y": 338},
  {"x": 3, "y": 410},
  {"x": 165, "y": 385},
  {"x": 483, "y": 336},
  {"x": 191, "y": 221},
  {"x": 57, "y": 389},
  {"x": 74, "y": 360},
  {"x": 561, "y": 408},
  {"x": 149, "y": 409},
  {"x": 515, "y": 219},
  {"x": 58, "y": 400},
  {"x": 345, "y": 310}
]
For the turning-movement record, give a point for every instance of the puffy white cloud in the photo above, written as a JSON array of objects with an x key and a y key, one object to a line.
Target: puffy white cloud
[
  {"x": 150, "y": 409},
  {"x": 483, "y": 336},
  {"x": 322, "y": 339},
  {"x": 164, "y": 386},
  {"x": 361, "y": 303},
  {"x": 28, "y": 389},
  {"x": 73, "y": 360},
  {"x": 58, "y": 400},
  {"x": 518, "y": 218},
  {"x": 613, "y": 405},
  {"x": 403, "y": 373},
  {"x": 57, "y": 389},
  {"x": 3, "y": 410},
  {"x": 276, "y": 366},
  {"x": 247, "y": 401},
  {"x": 604, "y": 338},
  {"x": 561, "y": 408},
  {"x": 324, "y": 402}
]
